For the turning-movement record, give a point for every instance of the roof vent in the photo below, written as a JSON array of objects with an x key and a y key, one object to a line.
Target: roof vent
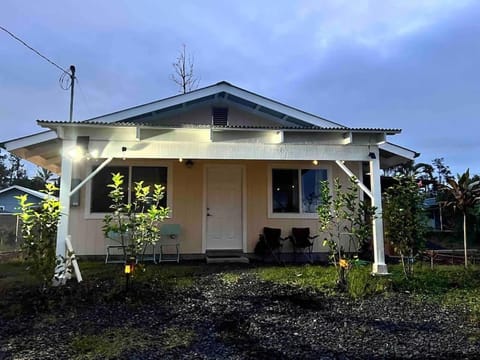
[{"x": 219, "y": 116}]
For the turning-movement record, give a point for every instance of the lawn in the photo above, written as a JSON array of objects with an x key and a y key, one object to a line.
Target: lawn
[{"x": 241, "y": 312}]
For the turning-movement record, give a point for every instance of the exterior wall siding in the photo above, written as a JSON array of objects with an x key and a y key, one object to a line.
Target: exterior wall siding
[
  {"x": 188, "y": 202},
  {"x": 10, "y": 204}
]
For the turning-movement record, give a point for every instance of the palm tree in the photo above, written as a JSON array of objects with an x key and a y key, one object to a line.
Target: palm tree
[
  {"x": 44, "y": 176},
  {"x": 465, "y": 194}
]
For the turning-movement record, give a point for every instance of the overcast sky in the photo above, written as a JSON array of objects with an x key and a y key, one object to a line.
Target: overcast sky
[{"x": 412, "y": 65}]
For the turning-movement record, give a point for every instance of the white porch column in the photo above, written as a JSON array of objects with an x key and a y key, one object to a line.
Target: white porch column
[
  {"x": 65, "y": 187},
  {"x": 379, "y": 267}
]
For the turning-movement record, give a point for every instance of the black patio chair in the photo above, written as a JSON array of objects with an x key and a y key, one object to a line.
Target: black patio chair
[
  {"x": 302, "y": 242},
  {"x": 270, "y": 242}
]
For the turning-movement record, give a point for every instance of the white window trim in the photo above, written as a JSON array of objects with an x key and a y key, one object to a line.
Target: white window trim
[
  {"x": 273, "y": 215},
  {"x": 88, "y": 193}
]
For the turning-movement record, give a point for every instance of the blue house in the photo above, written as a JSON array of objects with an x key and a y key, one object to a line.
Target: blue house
[{"x": 8, "y": 202}]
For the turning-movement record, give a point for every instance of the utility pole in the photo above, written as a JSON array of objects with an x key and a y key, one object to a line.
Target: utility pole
[{"x": 72, "y": 84}]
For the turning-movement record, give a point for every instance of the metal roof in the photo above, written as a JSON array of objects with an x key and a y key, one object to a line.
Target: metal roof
[{"x": 49, "y": 123}]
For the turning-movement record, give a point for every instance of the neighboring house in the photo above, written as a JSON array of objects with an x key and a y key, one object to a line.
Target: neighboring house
[
  {"x": 232, "y": 162},
  {"x": 8, "y": 202}
]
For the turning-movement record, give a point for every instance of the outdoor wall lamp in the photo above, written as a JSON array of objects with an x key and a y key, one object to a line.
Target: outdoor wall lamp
[
  {"x": 81, "y": 151},
  {"x": 372, "y": 155},
  {"x": 189, "y": 163}
]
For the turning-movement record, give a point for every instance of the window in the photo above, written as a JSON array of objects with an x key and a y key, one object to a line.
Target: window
[
  {"x": 296, "y": 191},
  {"x": 100, "y": 201}
]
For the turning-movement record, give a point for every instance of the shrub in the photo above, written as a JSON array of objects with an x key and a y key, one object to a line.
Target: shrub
[{"x": 39, "y": 231}]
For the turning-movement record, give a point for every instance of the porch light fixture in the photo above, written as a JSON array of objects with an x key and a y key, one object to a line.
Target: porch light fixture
[
  {"x": 372, "y": 155},
  {"x": 124, "y": 150},
  {"x": 315, "y": 162},
  {"x": 81, "y": 151},
  {"x": 189, "y": 163}
]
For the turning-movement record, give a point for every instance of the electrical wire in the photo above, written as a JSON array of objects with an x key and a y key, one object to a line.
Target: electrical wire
[
  {"x": 34, "y": 50},
  {"x": 65, "y": 79},
  {"x": 83, "y": 96}
]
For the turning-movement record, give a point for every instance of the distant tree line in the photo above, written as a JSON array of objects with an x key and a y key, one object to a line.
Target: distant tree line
[{"x": 13, "y": 172}]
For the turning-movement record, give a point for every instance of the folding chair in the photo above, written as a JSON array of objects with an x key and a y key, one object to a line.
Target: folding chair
[
  {"x": 270, "y": 243},
  {"x": 301, "y": 240},
  {"x": 115, "y": 249},
  {"x": 169, "y": 239}
]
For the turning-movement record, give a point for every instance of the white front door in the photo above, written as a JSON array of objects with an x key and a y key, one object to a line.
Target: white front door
[{"x": 224, "y": 210}]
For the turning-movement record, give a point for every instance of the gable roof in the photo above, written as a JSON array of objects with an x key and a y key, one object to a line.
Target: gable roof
[
  {"x": 285, "y": 115},
  {"x": 43, "y": 148},
  {"x": 28, "y": 191}
]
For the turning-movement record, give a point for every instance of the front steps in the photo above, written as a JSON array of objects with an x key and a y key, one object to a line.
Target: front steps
[{"x": 226, "y": 256}]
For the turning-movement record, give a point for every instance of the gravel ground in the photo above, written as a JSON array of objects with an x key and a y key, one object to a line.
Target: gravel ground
[{"x": 241, "y": 319}]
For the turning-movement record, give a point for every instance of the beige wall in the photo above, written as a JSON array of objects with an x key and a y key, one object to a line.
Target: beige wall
[{"x": 187, "y": 205}]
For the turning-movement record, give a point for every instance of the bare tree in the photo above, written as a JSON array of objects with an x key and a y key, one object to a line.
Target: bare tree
[{"x": 184, "y": 75}]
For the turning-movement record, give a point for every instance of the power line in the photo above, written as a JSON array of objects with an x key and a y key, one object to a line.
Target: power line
[
  {"x": 63, "y": 78},
  {"x": 83, "y": 96},
  {"x": 34, "y": 50}
]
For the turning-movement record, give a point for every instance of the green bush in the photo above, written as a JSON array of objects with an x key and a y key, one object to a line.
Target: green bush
[{"x": 39, "y": 232}]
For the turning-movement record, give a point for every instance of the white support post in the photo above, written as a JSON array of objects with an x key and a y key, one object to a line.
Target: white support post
[
  {"x": 65, "y": 187},
  {"x": 379, "y": 267}
]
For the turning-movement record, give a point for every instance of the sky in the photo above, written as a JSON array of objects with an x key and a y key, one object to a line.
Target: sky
[{"x": 413, "y": 65}]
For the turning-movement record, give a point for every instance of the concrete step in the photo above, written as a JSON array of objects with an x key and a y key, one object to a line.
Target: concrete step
[
  {"x": 225, "y": 259},
  {"x": 226, "y": 256}
]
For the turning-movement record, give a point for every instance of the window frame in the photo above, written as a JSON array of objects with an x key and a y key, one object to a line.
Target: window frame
[
  {"x": 299, "y": 168},
  {"x": 101, "y": 215}
]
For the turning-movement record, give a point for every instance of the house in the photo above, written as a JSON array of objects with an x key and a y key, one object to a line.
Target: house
[
  {"x": 232, "y": 162},
  {"x": 8, "y": 202},
  {"x": 9, "y": 221}
]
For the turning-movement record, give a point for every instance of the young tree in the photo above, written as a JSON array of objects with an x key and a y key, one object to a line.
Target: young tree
[
  {"x": 404, "y": 219},
  {"x": 466, "y": 194},
  {"x": 135, "y": 224},
  {"x": 343, "y": 214},
  {"x": 39, "y": 230},
  {"x": 184, "y": 75}
]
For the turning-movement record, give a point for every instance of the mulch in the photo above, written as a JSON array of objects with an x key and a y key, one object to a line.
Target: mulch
[{"x": 243, "y": 319}]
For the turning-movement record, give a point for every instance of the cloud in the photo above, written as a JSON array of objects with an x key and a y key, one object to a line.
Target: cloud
[{"x": 374, "y": 24}]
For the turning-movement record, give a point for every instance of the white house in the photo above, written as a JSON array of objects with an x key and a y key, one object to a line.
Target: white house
[{"x": 232, "y": 162}]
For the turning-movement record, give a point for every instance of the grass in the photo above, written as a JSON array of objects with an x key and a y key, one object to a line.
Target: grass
[
  {"x": 448, "y": 285},
  {"x": 13, "y": 273},
  {"x": 317, "y": 277},
  {"x": 230, "y": 278},
  {"x": 175, "y": 337},
  {"x": 110, "y": 343}
]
